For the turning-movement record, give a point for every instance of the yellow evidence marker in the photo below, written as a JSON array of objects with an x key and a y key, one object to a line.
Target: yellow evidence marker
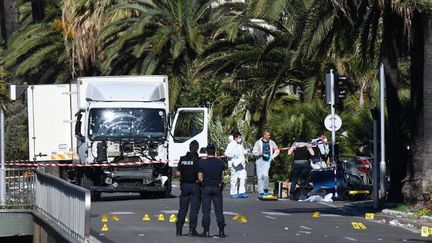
[
  {"x": 355, "y": 225},
  {"x": 146, "y": 217},
  {"x": 236, "y": 217},
  {"x": 105, "y": 228},
  {"x": 161, "y": 217},
  {"x": 114, "y": 217},
  {"x": 173, "y": 218},
  {"x": 358, "y": 226},
  {"x": 104, "y": 218},
  {"x": 186, "y": 219},
  {"x": 369, "y": 216},
  {"x": 424, "y": 231},
  {"x": 315, "y": 215},
  {"x": 243, "y": 219}
]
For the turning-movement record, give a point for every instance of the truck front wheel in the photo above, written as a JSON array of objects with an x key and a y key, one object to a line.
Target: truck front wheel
[{"x": 87, "y": 181}]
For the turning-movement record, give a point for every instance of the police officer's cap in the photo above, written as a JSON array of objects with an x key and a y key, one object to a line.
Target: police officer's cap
[{"x": 194, "y": 145}]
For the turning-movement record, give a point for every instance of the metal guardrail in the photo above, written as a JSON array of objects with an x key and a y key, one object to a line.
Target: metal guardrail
[
  {"x": 64, "y": 204},
  {"x": 20, "y": 184}
]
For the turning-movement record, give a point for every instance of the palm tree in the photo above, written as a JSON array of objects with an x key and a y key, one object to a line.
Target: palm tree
[
  {"x": 38, "y": 55},
  {"x": 427, "y": 102},
  {"x": 157, "y": 37},
  {"x": 84, "y": 20},
  {"x": 8, "y": 18},
  {"x": 256, "y": 52},
  {"x": 418, "y": 180},
  {"x": 63, "y": 44}
]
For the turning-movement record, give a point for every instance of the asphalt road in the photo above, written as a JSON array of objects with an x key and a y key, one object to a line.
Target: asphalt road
[{"x": 270, "y": 221}]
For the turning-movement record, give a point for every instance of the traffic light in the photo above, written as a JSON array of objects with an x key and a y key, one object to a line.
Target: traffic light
[{"x": 340, "y": 88}]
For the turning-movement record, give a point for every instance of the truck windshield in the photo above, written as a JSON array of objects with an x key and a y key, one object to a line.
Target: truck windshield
[{"x": 126, "y": 123}]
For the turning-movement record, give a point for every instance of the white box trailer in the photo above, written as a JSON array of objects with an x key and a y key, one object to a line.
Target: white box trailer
[
  {"x": 104, "y": 121},
  {"x": 51, "y": 122}
]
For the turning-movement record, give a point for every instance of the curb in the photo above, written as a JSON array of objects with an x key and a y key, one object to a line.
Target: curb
[{"x": 406, "y": 220}]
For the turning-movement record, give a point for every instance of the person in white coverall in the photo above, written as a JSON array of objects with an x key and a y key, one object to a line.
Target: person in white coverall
[
  {"x": 265, "y": 150},
  {"x": 237, "y": 166}
]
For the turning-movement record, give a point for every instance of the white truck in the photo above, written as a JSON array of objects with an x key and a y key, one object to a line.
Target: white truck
[{"x": 104, "y": 122}]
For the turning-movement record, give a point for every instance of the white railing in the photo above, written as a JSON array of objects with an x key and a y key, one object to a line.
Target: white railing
[{"x": 64, "y": 204}]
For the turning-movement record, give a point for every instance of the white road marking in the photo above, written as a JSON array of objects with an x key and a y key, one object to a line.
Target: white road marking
[
  {"x": 330, "y": 215},
  {"x": 141, "y": 235},
  {"x": 270, "y": 217},
  {"x": 122, "y": 213},
  {"x": 276, "y": 213},
  {"x": 329, "y": 204},
  {"x": 304, "y": 227},
  {"x": 169, "y": 211},
  {"x": 229, "y": 213},
  {"x": 349, "y": 238},
  {"x": 304, "y": 232}
]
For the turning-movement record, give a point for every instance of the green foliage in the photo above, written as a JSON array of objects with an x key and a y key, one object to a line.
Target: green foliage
[
  {"x": 16, "y": 131},
  {"x": 37, "y": 53},
  {"x": 160, "y": 37},
  {"x": 201, "y": 94}
]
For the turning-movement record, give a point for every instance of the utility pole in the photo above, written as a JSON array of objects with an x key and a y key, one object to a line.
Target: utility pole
[
  {"x": 375, "y": 165},
  {"x": 2, "y": 159},
  {"x": 333, "y": 130},
  {"x": 382, "y": 109}
]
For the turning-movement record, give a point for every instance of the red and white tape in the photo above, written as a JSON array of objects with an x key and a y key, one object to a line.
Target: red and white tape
[
  {"x": 33, "y": 164},
  {"x": 26, "y": 163}
]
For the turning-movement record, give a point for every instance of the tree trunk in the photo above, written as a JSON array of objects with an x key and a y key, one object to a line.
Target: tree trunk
[
  {"x": 394, "y": 148},
  {"x": 38, "y": 11},
  {"x": 427, "y": 102},
  {"x": 412, "y": 188},
  {"x": 8, "y": 18}
]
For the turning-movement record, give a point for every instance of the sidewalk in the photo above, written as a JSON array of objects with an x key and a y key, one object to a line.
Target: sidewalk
[{"x": 386, "y": 215}]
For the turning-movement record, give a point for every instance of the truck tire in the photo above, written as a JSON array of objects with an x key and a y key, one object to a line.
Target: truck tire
[
  {"x": 87, "y": 182},
  {"x": 167, "y": 192}
]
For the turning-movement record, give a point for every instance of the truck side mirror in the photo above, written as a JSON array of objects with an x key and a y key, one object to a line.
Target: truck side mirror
[{"x": 78, "y": 123}]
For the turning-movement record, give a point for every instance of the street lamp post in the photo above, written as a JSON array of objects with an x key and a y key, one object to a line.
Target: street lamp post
[
  {"x": 382, "y": 121},
  {"x": 2, "y": 158}
]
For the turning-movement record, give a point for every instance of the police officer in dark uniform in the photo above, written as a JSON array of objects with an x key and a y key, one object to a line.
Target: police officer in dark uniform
[
  {"x": 190, "y": 192},
  {"x": 211, "y": 174},
  {"x": 302, "y": 152}
]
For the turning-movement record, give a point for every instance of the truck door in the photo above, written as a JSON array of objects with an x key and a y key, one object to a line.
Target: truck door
[{"x": 189, "y": 124}]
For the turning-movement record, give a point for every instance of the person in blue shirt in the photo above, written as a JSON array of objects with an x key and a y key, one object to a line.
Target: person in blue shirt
[
  {"x": 265, "y": 151},
  {"x": 210, "y": 173}
]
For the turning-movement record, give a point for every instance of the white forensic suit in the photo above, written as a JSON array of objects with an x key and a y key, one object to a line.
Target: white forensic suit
[
  {"x": 237, "y": 166},
  {"x": 265, "y": 152}
]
